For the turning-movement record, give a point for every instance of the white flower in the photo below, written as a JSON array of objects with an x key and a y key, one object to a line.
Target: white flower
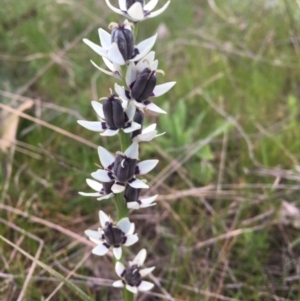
[
  {"x": 137, "y": 10},
  {"x": 131, "y": 278},
  {"x": 110, "y": 235},
  {"x": 110, "y": 50},
  {"x": 106, "y": 125},
  {"x": 123, "y": 168},
  {"x": 103, "y": 191},
  {"x": 146, "y": 68},
  {"x": 133, "y": 200}
]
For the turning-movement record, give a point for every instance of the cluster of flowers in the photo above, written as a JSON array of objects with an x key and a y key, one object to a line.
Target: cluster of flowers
[{"x": 124, "y": 110}]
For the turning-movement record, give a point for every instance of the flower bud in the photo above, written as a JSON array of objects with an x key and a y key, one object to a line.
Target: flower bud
[
  {"x": 125, "y": 41},
  {"x": 138, "y": 118},
  {"x": 132, "y": 276},
  {"x": 130, "y": 2},
  {"x": 131, "y": 194},
  {"x": 113, "y": 235},
  {"x": 124, "y": 168},
  {"x": 144, "y": 85},
  {"x": 113, "y": 113}
]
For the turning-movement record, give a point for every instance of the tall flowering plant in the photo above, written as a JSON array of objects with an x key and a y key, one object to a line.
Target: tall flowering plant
[{"x": 123, "y": 112}]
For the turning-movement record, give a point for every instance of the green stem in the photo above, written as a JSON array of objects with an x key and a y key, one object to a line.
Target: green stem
[
  {"x": 125, "y": 140},
  {"x": 120, "y": 203},
  {"x": 128, "y": 296}
]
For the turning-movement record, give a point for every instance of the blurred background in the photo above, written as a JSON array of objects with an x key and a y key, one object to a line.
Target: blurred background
[{"x": 227, "y": 222}]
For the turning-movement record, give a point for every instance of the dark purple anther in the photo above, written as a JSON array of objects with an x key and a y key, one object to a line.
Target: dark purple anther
[
  {"x": 144, "y": 85},
  {"x": 125, "y": 41},
  {"x": 113, "y": 113},
  {"x": 124, "y": 168}
]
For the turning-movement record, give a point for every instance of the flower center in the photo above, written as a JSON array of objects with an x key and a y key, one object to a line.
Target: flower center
[
  {"x": 113, "y": 235},
  {"x": 132, "y": 276}
]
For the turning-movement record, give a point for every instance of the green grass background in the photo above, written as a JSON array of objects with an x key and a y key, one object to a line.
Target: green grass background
[{"x": 236, "y": 63}]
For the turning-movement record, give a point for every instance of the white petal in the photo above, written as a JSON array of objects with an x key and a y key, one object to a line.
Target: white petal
[
  {"x": 116, "y": 10},
  {"x": 122, "y": 5},
  {"x": 134, "y": 126},
  {"x": 154, "y": 65},
  {"x": 145, "y": 62},
  {"x": 101, "y": 175},
  {"x": 159, "y": 11},
  {"x": 146, "y": 166},
  {"x": 131, "y": 239},
  {"x": 154, "y": 108},
  {"x": 91, "y": 194},
  {"x": 130, "y": 110},
  {"x": 121, "y": 92},
  {"x": 124, "y": 224},
  {"x": 118, "y": 283},
  {"x": 133, "y": 205},
  {"x": 103, "y": 217},
  {"x": 93, "y": 234},
  {"x": 106, "y": 158},
  {"x": 131, "y": 74},
  {"x": 100, "y": 250},
  {"x": 145, "y": 136},
  {"x": 132, "y": 151},
  {"x": 144, "y": 47},
  {"x": 94, "y": 185},
  {"x": 136, "y": 12},
  {"x": 117, "y": 188},
  {"x": 98, "y": 108},
  {"x": 95, "y": 126},
  {"x": 145, "y": 272},
  {"x": 98, "y": 49},
  {"x": 150, "y": 5},
  {"x": 140, "y": 257},
  {"x": 96, "y": 241},
  {"x": 136, "y": 183},
  {"x": 117, "y": 252},
  {"x": 114, "y": 73},
  {"x": 113, "y": 67},
  {"x": 162, "y": 89},
  {"x": 145, "y": 286},
  {"x": 132, "y": 289},
  {"x": 131, "y": 229},
  {"x": 145, "y": 202},
  {"x": 119, "y": 268},
  {"x": 115, "y": 55},
  {"x": 105, "y": 38},
  {"x": 109, "y": 132},
  {"x": 105, "y": 197}
]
